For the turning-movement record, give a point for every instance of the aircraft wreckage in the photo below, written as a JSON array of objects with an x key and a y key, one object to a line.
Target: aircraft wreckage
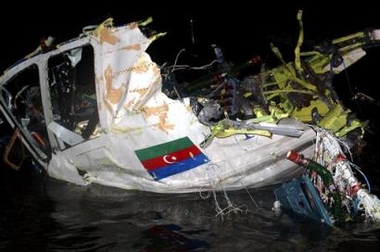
[{"x": 97, "y": 109}]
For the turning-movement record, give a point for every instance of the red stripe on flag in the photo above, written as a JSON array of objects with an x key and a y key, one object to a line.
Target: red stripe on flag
[{"x": 170, "y": 158}]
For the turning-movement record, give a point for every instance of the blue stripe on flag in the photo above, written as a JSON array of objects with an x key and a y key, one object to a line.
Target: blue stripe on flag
[{"x": 182, "y": 166}]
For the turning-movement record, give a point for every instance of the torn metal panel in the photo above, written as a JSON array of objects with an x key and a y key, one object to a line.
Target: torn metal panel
[
  {"x": 108, "y": 114},
  {"x": 328, "y": 191}
]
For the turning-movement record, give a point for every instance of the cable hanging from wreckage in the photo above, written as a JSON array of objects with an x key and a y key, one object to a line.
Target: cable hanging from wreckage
[
  {"x": 231, "y": 104},
  {"x": 302, "y": 89}
]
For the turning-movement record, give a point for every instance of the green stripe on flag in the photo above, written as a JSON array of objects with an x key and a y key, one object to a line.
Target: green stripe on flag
[{"x": 163, "y": 149}]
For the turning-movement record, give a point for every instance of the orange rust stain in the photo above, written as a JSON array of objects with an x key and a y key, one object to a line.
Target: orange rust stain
[
  {"x": 113, "y": 94},
  {"x": 105, "y": 35},
  {"x": 142, "y": 65},
  {"x": 162, "y": 113},
  {"x": 133, "y": 25},
  {"x": 140, "y": 91},
  {"x": 164, "y": 125},
  {"x": 140, "y": 68},
  {"x": 136, "y": 47}
]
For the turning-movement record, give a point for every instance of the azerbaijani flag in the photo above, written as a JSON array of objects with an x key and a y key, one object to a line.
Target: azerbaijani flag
[{"x": 170, "y": 158}]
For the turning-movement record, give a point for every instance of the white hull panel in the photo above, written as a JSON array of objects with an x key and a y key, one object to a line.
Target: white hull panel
[
  {"x": 234, "y": 163},
  {"x": 97, "y": 113}
]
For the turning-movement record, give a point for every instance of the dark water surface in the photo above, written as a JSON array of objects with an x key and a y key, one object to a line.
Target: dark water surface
[{"x": 43, "y": 214}]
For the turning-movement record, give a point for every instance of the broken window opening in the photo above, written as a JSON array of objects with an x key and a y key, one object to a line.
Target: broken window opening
[
  {"x": 23, "y": 97},
  {"x": 73, "y": 96}
]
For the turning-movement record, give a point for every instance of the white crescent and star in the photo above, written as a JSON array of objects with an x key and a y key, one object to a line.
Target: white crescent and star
[{"x": 169, "y": 159}]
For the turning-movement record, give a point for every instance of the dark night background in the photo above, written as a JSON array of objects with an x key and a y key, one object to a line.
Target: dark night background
[
  {"x": 57, "y": 216},
  {"x": 237, "y": 26},
  {"x": 240, "y": 28}
]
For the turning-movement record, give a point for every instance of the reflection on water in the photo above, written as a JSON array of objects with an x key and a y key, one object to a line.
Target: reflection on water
[{"x": 43, "y": 214}]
